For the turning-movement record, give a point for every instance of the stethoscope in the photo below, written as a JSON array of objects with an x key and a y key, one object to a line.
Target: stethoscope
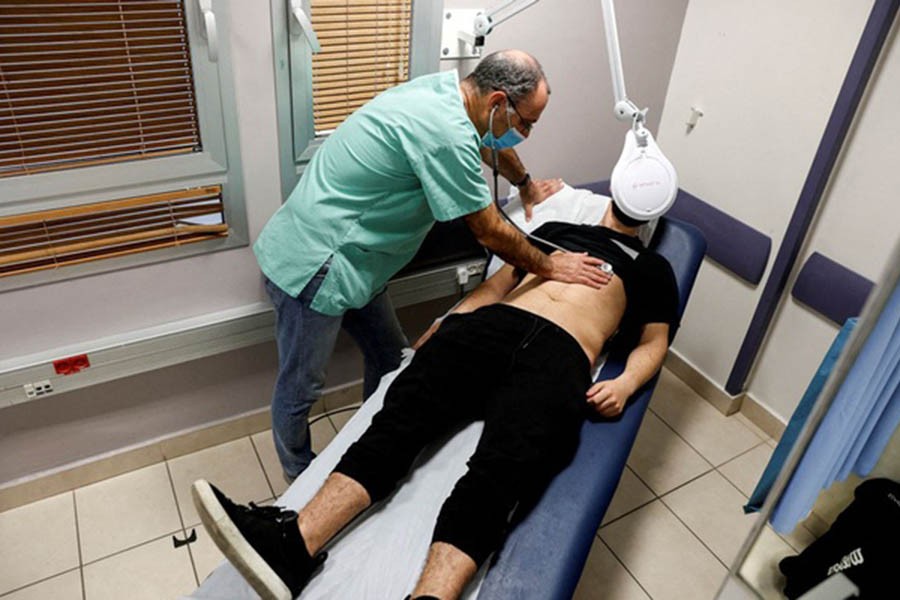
[{"x": 605, "y": 267}]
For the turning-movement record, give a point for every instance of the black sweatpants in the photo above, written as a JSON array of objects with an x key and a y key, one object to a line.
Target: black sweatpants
[{"x": 523, "y": 375}]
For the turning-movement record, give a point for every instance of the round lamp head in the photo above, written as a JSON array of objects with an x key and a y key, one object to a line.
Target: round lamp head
[{"x": 643, "y": 183}]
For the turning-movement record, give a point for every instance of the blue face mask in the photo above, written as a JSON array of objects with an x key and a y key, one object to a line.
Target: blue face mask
[{"x": 507, "y": 140}]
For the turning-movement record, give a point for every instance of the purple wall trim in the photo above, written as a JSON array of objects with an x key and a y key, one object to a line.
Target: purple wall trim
[
  {"x": 733, "y": 244},
  {"x": 867, "y": 51},
  {"x": 831, "y": 289}
]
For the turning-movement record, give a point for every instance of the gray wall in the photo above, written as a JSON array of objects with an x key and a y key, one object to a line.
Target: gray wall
[{"x": 578, "y": 139}]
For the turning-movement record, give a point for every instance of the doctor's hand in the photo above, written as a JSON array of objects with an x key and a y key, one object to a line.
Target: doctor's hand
[
  {"x": 608, "y": 397},
  {"x": 536, "y": 191},
  {"x": 578, "y": 267}
]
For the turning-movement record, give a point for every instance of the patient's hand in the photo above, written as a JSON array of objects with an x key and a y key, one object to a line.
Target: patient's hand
[
  {"x": 609, "y": 397},
  {"x": 537, "y": 191}
]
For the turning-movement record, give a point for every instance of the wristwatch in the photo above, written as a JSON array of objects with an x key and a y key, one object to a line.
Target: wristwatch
[{"x": 522, "y": 182}]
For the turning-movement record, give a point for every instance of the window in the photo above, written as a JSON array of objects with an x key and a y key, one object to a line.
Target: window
[
  {"x": 112, "y": 137},
  {"x": 365, "y": 50},
  {"x": 88, "y": 232},
  {"x": 367, "y": 46}
]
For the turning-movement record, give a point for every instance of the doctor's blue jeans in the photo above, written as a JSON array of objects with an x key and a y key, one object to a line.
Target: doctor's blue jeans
[{"x": 305, "y": 341}]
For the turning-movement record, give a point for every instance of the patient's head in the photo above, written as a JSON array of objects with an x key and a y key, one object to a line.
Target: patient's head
[
  {"x": 617, "y": 220},
  {"x": 624, "y": 219},
  {"x": 509, "y": 82}
]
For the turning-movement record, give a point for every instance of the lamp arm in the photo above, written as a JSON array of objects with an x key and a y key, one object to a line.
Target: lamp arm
[
  {"x": 624, "y": 109},
  {"x": 485, "y": 22}
]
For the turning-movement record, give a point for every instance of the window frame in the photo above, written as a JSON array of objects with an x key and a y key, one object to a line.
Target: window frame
[
  {"x": 219, "y": 163},
  {"x": 297, "y": 142}
]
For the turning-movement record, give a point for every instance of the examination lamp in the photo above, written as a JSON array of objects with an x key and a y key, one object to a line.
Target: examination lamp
[{"x": 643, "y": 182}]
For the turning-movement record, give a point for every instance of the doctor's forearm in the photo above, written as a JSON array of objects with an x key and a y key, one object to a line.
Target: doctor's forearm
[
  {"x": 505, "y": 241},
  {"x": 514, "y": 249}
]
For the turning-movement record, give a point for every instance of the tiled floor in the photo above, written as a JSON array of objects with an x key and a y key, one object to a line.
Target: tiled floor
[{"x": 674, "y": 525}]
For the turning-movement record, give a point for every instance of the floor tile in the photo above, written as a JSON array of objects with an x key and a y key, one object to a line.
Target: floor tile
[
  {"x": 206, "y": 556},
  {"x": 339, "y": 419},
  {"x": 716, "y": 437},
  {"x": 711, "y": 508},
  {"x": 604, "y": 578},
  {"x": 733, "y": 588},
  {"x": 37, "y": 541},
  {"x": 663, "y": 555},
  {"x": 125, "y": 511},
  {"x": 751, "y": 425},
  {"x": 150, "y": 572},
  {"x": 322, "y": 432},
  {"x": 760, "y": 568},
  {"x": 265, "y": 448},
  {"x": 62, "y": 587},
  {"x": 661, "y": 459},
  {"x": 745, "y": 470},
  {"x": 233, "y": 467},
  {"x": 630, "y": 493}
]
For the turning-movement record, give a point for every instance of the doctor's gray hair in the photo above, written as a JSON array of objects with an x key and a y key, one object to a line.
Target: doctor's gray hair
[{"x": 512, "y": 71}]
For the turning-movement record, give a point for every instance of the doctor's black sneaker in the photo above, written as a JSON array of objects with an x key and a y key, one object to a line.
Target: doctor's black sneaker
[{"x": 262, "y": 542}]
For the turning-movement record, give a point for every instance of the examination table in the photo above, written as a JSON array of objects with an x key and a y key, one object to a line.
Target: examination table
[{"x": 380, "y": 555}]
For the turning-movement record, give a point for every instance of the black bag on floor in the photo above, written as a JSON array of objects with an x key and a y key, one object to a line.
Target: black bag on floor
[{"x": 863, "y": 543}]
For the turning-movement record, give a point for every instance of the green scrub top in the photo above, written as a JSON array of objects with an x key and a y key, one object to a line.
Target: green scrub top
[{"x": 372, "y": 192}]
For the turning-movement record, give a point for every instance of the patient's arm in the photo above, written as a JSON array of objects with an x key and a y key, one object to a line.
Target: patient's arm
[
  {"x": 608, "y": 397},
  {"x": 490, "y": 291}
]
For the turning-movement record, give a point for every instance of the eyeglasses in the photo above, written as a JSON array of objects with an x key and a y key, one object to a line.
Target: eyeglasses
[{"x": 527, "y": 124}]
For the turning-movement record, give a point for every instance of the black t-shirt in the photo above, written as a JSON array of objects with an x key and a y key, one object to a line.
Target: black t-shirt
[{"x": 651, "y": 293}]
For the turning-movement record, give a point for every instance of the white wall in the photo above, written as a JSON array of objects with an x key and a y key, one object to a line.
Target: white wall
[
  {"x": 766, "y": 74},
  {"x": 857, "y": 225}
]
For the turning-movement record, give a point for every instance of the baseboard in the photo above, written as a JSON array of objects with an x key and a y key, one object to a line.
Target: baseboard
[
  {"x": 757, "y": 412},
  {"x": 97, "y": 468},
  {"x": 703, "y": 385},
  {"x": 725, "y": 403}
]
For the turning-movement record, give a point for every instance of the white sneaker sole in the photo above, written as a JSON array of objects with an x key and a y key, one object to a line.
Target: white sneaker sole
[{"x": 235, "y": 547}]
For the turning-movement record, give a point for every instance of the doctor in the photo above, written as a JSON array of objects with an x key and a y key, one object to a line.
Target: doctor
[{"x": 364, "y": 204}]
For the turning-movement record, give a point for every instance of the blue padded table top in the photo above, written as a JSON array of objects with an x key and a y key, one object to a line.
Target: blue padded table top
[{"x": 544, "y": 555}]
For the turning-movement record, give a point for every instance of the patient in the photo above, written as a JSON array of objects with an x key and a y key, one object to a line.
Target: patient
[{"x": 516, "y": 353}]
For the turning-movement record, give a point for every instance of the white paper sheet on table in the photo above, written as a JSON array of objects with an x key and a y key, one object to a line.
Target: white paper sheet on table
[{"x": 381, "y": 554}]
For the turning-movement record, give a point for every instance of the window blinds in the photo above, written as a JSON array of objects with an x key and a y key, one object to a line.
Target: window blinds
[
  {"x": 92, "y": 82},
  {"x": 365, "y": 50},
  {"x": 54, "y": 238}
]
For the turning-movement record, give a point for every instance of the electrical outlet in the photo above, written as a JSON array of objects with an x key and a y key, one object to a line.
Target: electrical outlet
[{"x": 37, "y": 389}]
